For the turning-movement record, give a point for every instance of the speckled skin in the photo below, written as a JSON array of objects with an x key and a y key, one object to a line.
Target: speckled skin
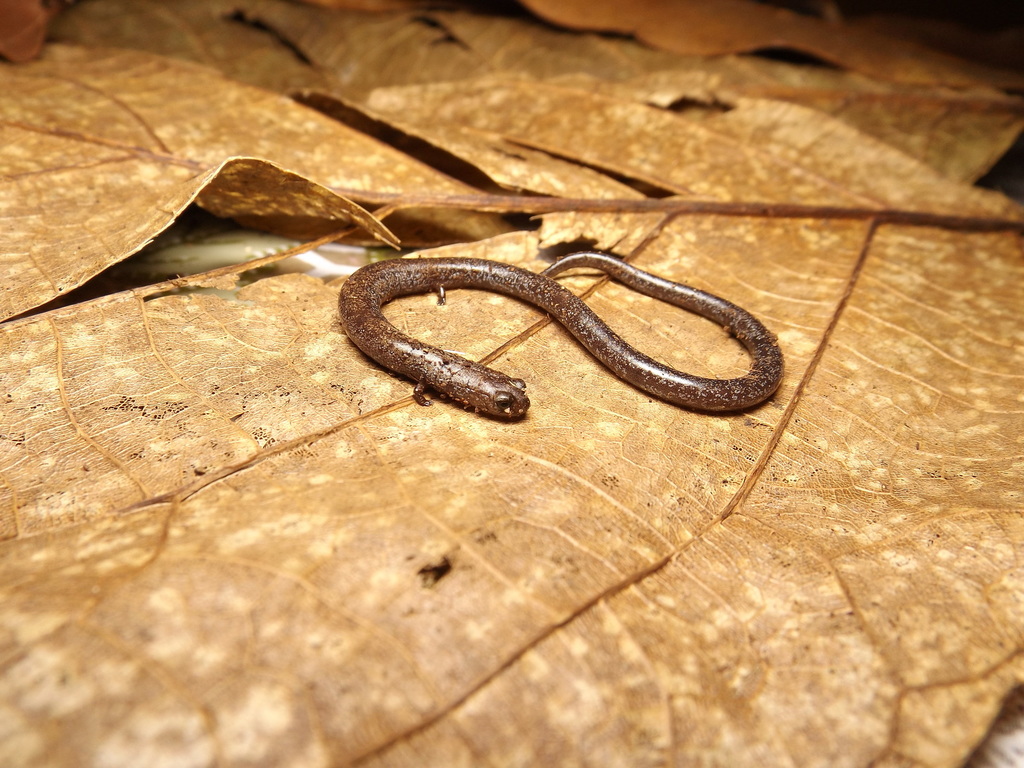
[{"x": 491, "y": 392}]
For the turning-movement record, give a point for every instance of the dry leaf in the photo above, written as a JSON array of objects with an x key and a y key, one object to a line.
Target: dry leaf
[
  {"x": 763, "y": 150},
  {"x": 104, "y": 152},
  {"x": 256, "y": 41},
  {"x": 995, "y": 43},
  {"x": 231, "y": 538},
  {"x": 730, "y": 26},
  {"x": 677, "y": 565},
  {"x": 214, "y": 33},
  {"x": 23, "y": 26},
  {"x": 959, "y": 132}
]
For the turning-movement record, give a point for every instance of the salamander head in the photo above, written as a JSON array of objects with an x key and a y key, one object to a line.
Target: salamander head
[
  {"x": 485, "y": 390},
  {"x": 497, "y": 395},
  {"x": 509, "y": 402}
]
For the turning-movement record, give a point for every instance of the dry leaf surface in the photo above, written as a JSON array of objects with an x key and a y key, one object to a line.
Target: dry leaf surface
[
  {"x": 23, "y": 27},
  {"x": 95, "y": 135},
  {"x": 729, "y": 26},
  {"x": 683, "y": 567},
  {"x": 959, "y": 132},
  {"x": 231, "y": 539},
  {"x": 762, "y": 150}
]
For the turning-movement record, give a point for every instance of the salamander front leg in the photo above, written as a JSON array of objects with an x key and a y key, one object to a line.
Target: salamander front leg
[{"x": 419, "y": 394}]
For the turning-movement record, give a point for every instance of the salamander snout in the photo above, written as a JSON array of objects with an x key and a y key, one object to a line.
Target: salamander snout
[{"x": 510, "y": 402}]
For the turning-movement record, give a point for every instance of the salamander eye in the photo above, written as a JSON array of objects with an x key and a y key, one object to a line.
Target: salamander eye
[
  {"x": 504, "y": 400},
  {"x": 519, "y": 384}
]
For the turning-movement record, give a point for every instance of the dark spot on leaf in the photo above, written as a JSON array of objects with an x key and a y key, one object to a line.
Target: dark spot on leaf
[{"x": 431, "y": 574}]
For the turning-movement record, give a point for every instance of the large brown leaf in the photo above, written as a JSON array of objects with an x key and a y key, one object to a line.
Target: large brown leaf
[
  {"x": 106, "y": 148},
  {"x": 230, "y": 538},
  {"x": 694, "y": 27},
  {"x": 960, "y": 132}
]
